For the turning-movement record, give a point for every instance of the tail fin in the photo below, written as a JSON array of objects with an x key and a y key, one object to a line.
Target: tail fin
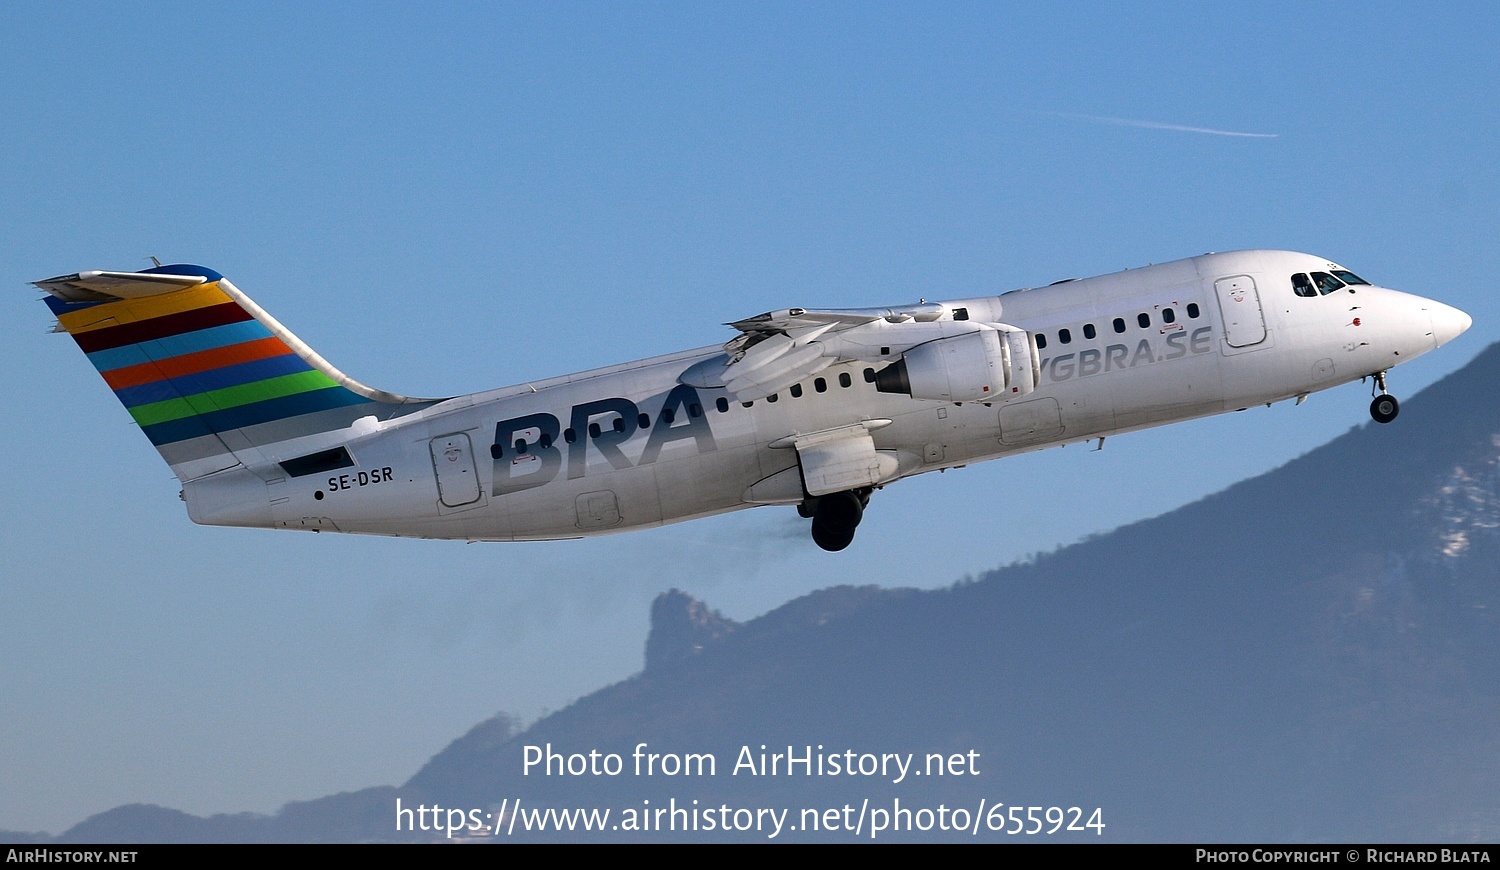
[{"x": 208, "y": 375}]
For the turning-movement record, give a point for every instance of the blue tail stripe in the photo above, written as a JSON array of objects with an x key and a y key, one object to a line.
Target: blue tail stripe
[
  {"x": 118, "y": 357},
  {"x": 249, "y": 415},
  {"x": 213, "y": 379},
  {"x": 177, "y": 345}
]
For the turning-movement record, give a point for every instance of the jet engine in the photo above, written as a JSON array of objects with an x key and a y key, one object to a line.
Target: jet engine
[{"x": 988, "y": 365}]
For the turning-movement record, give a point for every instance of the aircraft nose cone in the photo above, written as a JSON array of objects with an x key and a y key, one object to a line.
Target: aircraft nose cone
[{"x": 1448, "y": 322}]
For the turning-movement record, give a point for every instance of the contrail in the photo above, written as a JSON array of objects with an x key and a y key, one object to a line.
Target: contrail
[{"x": 1157, "y": 125}]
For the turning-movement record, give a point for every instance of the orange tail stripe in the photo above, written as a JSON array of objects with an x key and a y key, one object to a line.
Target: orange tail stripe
[{"x": 192, "y": 363}]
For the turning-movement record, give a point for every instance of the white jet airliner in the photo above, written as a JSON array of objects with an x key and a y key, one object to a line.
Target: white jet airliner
[{"x": 805, "y": 407}]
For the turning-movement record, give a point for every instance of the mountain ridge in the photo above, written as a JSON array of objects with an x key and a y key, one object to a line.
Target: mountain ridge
[{"x": 1309, "y": 654}]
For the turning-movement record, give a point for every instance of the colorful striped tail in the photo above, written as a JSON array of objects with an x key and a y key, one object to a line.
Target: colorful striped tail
[{"x": 208, "y": 375}]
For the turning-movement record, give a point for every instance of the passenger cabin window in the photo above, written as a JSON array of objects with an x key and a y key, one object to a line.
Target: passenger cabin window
[
  {"x": 1064, "y": 336},
  {"x": 1144, "y": 320},
  {"x": 1192, "y": 310},
  {"x": 796, "y": 391},
  {"x": 1168, "y": 315},
  {"x": 1041, "y": 340},
  {"x": 721, "y": 403},
  {"x": 820, "y": 384},
  {"x": 1119, "y": 324},
  {"x": 845, "y": 380},
  {"x": 1088, "y": 330}
]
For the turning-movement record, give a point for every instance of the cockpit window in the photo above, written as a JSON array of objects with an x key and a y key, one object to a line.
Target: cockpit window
[
  {"x": 1301, "y": 286},
  {"x": 1349, "y": 277},
  {"x": 1326, "y": 282}
]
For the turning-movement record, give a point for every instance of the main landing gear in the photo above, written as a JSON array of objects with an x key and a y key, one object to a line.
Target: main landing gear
[
  {"x": 835, "y": 517},
  {"x": 1385, "y": 407}
]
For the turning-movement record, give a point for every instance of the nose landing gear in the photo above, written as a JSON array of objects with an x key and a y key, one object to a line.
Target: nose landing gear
[
  {"x": 1384, "y": 408},
  {"x": 835, "y": 517}
]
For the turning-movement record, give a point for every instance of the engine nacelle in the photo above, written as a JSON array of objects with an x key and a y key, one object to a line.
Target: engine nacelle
[{"x": 989, "y": 365}]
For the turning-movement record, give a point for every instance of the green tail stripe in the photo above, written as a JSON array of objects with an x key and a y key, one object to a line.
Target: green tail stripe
[{"x": 230, "y": 397}]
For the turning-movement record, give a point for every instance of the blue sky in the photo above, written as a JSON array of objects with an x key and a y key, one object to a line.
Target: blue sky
[{"x": 449, "y": 197}]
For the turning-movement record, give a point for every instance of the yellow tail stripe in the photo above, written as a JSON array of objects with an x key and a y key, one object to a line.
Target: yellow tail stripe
[{"x": 145, "y": 308}]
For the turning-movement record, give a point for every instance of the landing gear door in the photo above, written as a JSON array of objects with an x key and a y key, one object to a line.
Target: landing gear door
[
  {"x": 842, "y": 459},
  {"x": 839, "y": 464},
  {"x": 453, "y": 462},
  {"x": 1239, "y": 304}
]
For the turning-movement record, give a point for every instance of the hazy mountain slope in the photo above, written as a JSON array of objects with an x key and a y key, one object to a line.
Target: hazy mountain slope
[
  {"x": 1312, "y": 654},
  {"x": 1308, "y": 654}
]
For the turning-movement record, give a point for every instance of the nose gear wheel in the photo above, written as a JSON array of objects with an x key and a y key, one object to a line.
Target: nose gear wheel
[{"x": 1384, "y": 408}]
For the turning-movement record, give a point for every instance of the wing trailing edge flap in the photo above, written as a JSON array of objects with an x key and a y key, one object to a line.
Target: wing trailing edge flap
[
  {"x": 797, "y": 318},
  {"x": 781, "y": 348}
]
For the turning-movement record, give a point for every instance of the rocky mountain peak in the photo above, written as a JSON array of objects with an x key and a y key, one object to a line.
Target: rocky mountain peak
[{"x": 681, "y": 628}]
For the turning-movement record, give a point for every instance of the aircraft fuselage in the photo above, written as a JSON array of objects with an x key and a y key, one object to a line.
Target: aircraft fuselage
[{"x": 656, "y": 441}]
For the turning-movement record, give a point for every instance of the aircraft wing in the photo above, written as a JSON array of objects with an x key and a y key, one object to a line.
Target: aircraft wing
[
  {"x": 788, "y": 319},
  {"x": 779, "y": 348}
]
